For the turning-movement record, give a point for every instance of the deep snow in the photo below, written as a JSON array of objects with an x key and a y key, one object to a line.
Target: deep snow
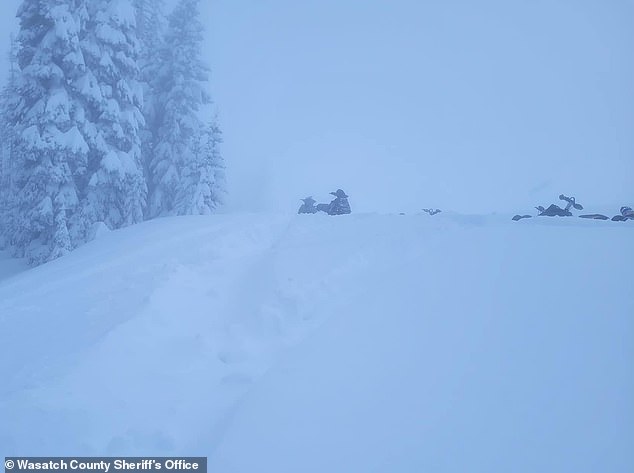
[{"x": 361, "y": 343}]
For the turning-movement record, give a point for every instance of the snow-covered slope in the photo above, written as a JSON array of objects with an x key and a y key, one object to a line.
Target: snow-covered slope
[{"x": 310, "y": 343}]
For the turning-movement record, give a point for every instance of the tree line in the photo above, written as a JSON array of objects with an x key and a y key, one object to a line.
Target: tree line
[{"x": 105, "y": 118}]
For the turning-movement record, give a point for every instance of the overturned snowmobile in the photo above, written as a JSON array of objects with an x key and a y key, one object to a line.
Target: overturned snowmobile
[
  {"x": 554, "y": 210},
  {"x": 626, "y": 214}
]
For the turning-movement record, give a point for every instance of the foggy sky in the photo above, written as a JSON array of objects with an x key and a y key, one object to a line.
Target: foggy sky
[{"x": 473, "y": 106}]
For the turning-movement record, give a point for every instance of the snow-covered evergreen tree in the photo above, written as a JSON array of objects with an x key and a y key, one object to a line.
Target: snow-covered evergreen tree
[
  {"x": 150, "y": 21},
  {"x": 115, "y": 185},
  {"x": 181, "y": 170},
  {"x": 79, "y": 145},
  {"x": 9, "y": 100},
  {"x": 47, "y": 149},
  {"x": 217, "y": 163},
  {"x": 151, "y": 24},
  {"x": 201, "y": 188}
]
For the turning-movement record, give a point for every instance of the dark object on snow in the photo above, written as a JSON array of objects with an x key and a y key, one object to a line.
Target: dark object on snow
[
  {"x": 626, "y": 214},
  {"x": 339, "y": 206},
  {"x": 595, "y": 217},
  {"x": 571, "y": 202},
  {"x": 553, "y": 211},
  {"x": 432, "y": 211},
  {"x": 556, "y": 211},
  {"x": 322, "y": 207},
  {"x": 308, "y": 207}
]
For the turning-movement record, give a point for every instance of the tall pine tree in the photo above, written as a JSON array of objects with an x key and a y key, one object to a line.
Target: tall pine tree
[
  {"x": 180, "y": 167},
  {"x": 151, "y": 25},
  {"x": 115, "y": 187},
  {"x": 47, "y": 148},
  {"x": 202, "y": 183},
  {"x": 9, "y": 100}
]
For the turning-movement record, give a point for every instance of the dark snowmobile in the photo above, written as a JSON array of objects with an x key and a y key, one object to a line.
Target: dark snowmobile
[
  {"x": 626, "y": 214},
  {"x": 432, "y": 211},
  {"x": 308, "y": 207},
  {"x": 554, "y": 210},
  {"x": 339, "y": 206}
]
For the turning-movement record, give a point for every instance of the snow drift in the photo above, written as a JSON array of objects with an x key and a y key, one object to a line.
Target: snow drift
[{"x": 312, "y": 343}]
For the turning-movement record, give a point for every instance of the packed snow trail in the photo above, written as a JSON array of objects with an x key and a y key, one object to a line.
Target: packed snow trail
[
  {"x": 126, "y": 326},
  {"x": 356, "y": 343},
  {"x": 130, "y": 341}
]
